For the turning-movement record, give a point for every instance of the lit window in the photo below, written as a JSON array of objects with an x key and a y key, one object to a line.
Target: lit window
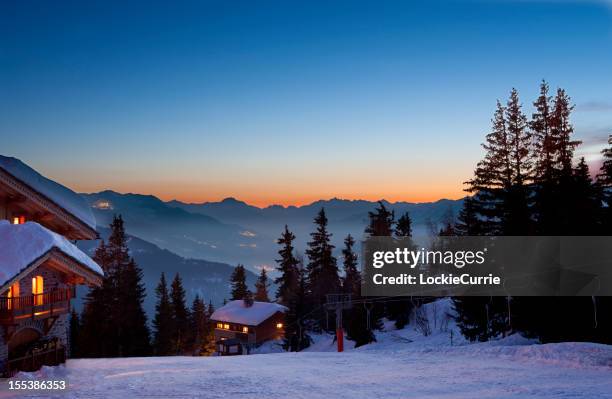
[
  {"x": 219, "y": 325},
  {"x": 245, "y": 329},
  {"x": 279, "y": 325},
  {"x": 37, "y": 289},
  {"x": 226, "y": 326},
  {"x": 13, "y": 292},
  {"x": 19, "y": 220}
]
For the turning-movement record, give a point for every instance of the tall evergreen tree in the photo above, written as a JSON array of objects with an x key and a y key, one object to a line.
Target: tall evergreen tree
[
  {"x": 322, "y": 270},
  {"x": 296, "y": 337},
  {"x": 199, "y": 325},
  {"x": 180, "y": 317},
  {"x": 135, "y": 335},
  {"x": 351, "y": 283},
  {"x": 115, "y": 310},
  {"x": 261, "y": 287},
  {"x": 381, "y": 222},
  {"x": 75, "y": 330},
  {"x": 287, "y": 281},
  {"x": 467, "y": 220},
  {"x": 163, "y": 323},
  {"x": 604, "y": 181},
  {"x": 238, "y": 282}
]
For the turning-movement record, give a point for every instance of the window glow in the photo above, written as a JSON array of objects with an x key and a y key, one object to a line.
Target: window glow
[
  {"x": 37, "y": 289},
  {"x": 245, "y": 329},
  {"x": 219, "y": 325},
  {"x": 19, "y": 220},
  {"x": 13, "y": 292},
  {"x": 226, "y": 326},
  {"x": 279, "y": 325}
]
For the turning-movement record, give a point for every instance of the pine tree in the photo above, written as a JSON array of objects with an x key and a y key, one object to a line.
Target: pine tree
[
  {"x": 604, "y": 181},
  {"x": 261, "y": 287},
  {"x": 287, "y": 268},
  {"x": 322, "y": 270},
  {"x": 75, "y": 330},
  {"x": 467, "y": 221},
  {"x": 134, "y": 332},
  {"x": 96, "y": 314},
  {"x": 351, "y": 283},
  {"x": 163, "y": 321},
  {"x": 481, "y": 318},
  {"x": 199, "y": 325},
  {"x": 115, "y": 310},
  {"x": 238, "y": 282},
  {"x": 403, "y": 228},
  {"x": 517, "y": 217},
  {"x": 180, "y": 316},
  {"x": 296, "y": 337},
  {"x": 381, "y": 222}
]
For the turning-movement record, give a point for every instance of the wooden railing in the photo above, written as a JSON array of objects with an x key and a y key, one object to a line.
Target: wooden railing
[
  {"x": 45, "y": 304},
  {"x": 52, "y": 356}
]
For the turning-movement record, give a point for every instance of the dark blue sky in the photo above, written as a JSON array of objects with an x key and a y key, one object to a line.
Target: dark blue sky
[{"x": 286, "y": 102}]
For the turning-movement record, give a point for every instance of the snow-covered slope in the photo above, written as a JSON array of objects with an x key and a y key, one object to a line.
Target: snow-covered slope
[
  {"x": 401, "y": 364},
  {"x": 470, "y": 371}
]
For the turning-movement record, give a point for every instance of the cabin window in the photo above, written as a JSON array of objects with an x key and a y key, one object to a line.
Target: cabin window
[
  {"x": 19, "y": 220},
  {"x": 226, "y": 326},
  {"x": 279, "y": 325},
  {"x": 13, "y": 292},
  {"x": 37, "y": 289},
  {"x": 219, "y": 325},
  {"x": 245, "y": 329}
]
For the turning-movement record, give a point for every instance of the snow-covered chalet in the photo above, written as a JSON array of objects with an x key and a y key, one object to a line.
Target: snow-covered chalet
[
  {"x": 39, "y": 265},
  {"x": 240, "y": 325}
]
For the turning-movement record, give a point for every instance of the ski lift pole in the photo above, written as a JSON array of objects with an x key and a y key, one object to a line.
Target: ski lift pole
[
  {"x": 339, "y": 329},
  {"x": 339, "y": 302}
]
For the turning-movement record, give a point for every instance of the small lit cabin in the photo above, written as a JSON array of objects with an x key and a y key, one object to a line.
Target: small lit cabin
[
  {"x": 239, "y": 327},
  {"x": 39, "y": 266}
]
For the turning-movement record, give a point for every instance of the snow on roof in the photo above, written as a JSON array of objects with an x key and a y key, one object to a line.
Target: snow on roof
[
  {"x": 237, "y": 312},
  {"x": 22, "y": 244},
  {"x": 61, "y": 195}
]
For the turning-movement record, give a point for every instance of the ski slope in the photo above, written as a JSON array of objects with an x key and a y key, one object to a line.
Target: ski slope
[
  {"x": 476, "y": 371},
  {"x": 402, "y": 364}
]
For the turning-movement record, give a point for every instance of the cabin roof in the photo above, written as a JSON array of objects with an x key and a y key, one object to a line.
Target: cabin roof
[
  {"x": 22, "y": 245},
  {"x": 62, "y": 196},
  {"x": 237, "y": 312}
]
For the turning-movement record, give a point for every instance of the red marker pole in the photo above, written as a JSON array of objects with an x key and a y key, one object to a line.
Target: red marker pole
[{"x": 340, "y": 339}]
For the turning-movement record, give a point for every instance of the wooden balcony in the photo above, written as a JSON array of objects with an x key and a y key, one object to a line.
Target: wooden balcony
[{"x": 38, "y": 306}]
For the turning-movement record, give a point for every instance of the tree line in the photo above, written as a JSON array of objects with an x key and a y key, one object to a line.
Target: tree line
[
  {"x": 529, "y": 183},
  {"x": 113, "y": 322}
]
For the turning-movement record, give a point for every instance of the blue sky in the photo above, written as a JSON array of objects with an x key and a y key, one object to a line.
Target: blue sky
[{"x": 286, "y": 102}]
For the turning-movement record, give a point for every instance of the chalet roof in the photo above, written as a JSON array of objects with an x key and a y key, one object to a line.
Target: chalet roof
[
  {"x": 60, "y": 195},
  {"x": 22, "y": 244},
  {"x": 237, "y": 312}
]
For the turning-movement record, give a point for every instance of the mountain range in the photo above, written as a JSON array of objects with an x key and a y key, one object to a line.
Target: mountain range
[{"x": 233, "y": 231}]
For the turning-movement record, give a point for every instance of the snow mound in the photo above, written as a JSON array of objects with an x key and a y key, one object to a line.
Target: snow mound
[
  {"x": 22, "y": 244},
  {"x": 237, "y": 312},
  {"x": 60, "y": 195}
]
